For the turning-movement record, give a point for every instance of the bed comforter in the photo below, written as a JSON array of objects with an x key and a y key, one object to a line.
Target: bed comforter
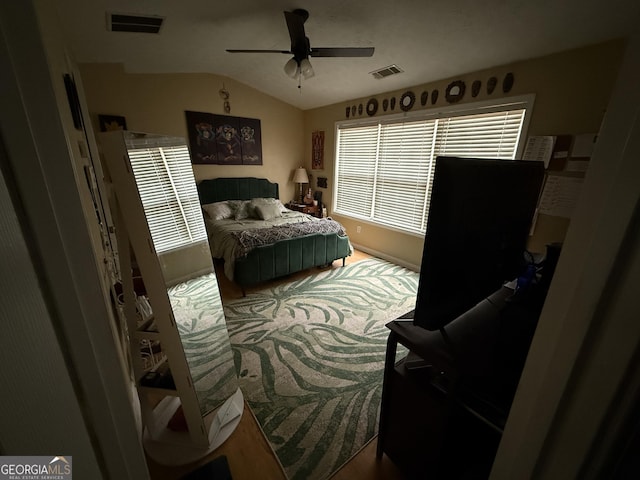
[{"x": 232, "y": 239}]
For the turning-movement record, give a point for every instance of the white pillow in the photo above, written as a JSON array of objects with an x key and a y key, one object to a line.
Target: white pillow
[
  {"x": 281, "y": 207},
  {"x": 269, "y": 201},
  {"x": 267, "y": 211},
  {"x": 218, "y": 210}
]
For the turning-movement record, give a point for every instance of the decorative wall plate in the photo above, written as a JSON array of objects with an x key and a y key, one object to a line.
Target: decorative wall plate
[
  {"x": 434, "y": 97},
  {"x": 385, "y": 104},
  {"x": 348, "y": 111},
  {"x": 507, "y": 83},
  {"x": 360, "y": 109},
  {"x": 372, "y": 107},
  {"x": 353, "y": 110},
  {"x": 455, "y": 91},
  {"x": 475, "y": 88},
  {"x": 393, "y": 103},
  {"x": 423, "y": 98},
  {"x": 491, "y": 85},
  {"x": 407, "y": 99}
]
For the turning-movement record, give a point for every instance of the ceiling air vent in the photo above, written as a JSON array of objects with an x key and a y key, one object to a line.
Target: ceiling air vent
[
  {"x": 122, "y": 22},
  {"x": 386, "y": 71}
]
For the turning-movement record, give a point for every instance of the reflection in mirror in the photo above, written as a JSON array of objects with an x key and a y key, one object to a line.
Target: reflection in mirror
[
  {"x": 167, "y": 189},
  {"x": 198, "y": 312}
]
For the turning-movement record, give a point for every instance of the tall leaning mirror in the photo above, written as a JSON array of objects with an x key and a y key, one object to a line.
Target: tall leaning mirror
[{"x": 157, "y": 177}]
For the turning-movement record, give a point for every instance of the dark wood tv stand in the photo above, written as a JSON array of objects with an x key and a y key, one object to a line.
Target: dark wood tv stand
[{"x": 431, "y": 422}]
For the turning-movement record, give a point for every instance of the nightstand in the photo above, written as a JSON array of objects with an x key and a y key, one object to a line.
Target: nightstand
[{"x": 304, "y": 208}]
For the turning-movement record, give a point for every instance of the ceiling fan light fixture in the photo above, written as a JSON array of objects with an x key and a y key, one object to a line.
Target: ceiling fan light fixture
[
  {"x": 306, "y": 68},
  {"x": 291, "y": 68},
  {"x": 299, "y": 66}
]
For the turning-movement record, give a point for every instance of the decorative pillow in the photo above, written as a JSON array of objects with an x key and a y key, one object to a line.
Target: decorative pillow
[
  {"x": 234, "y": 205},
  {"x": 281, "y": 206},
  {"x": 218, "y": 210},
  {"x": 269, "y": 201},
  {"x": 245, "y": 210},
  {"x": 268, "y": 211}
]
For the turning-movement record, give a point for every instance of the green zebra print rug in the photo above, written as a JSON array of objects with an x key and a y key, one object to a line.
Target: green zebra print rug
[
  {"x": 197, "y": 309},
  {"x": 310, "y": 358}
]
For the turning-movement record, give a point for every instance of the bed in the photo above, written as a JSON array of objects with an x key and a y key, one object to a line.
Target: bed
[{"x": 258, "y": 238}]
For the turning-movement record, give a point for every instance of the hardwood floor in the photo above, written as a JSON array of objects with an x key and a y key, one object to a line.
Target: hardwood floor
[
  {"x": 365, "y": 466},
  {"x": 248, "y": 452}
]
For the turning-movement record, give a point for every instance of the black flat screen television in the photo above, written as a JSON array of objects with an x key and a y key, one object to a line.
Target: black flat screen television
[{"x": 480, "y": 215}]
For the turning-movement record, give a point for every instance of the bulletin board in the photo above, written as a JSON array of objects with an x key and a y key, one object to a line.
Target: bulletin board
[{"x": 566, "y": 159}]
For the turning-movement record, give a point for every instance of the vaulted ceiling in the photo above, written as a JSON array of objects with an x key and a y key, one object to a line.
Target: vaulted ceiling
[{"x": 428, "y": 39}]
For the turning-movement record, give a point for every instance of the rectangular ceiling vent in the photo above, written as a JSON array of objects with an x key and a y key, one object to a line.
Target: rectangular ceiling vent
[
  {"x": 124, "y": 22},
  {"x": 386, "y": 71}
]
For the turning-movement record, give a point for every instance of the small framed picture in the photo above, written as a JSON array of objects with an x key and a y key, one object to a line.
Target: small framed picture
[
  {"x": 110, "y": 123},
  {"x": 317, "y": 150}
]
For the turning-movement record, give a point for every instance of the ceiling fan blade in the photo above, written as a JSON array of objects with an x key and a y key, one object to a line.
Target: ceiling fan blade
[
  {"x": 342, "y": 52},
  {"x": 259, "y": 51}
]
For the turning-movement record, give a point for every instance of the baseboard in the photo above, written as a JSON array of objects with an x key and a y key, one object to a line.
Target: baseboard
[
  {"x": 185, "y": 278},
  {"x": 388, "y": 258}
]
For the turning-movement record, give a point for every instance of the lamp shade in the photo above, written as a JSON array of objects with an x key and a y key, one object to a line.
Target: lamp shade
[
  {"x": 291, "y": 68},
  {"x": 300, "y": 175},
  {"x": 306, "y": 69}
]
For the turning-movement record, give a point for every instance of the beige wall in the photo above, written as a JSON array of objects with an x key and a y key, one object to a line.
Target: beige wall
[
  {"x": 572, "y": 90},
  {"x": 155, "y": 103}
]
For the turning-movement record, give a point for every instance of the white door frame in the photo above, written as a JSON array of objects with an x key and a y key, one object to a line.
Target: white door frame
[
  {"x": 56, "y": 230},
  {"x": 587, "y": 335}
]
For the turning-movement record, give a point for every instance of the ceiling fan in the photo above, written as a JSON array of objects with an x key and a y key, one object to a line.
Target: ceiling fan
[{"x": 299, "y": 65}]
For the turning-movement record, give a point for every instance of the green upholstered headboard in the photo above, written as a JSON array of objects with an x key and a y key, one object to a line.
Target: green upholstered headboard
[{"x": 243, "y": 188}]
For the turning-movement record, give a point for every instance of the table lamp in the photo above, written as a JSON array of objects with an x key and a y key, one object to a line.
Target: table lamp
[{"x": 300, "y": 176}]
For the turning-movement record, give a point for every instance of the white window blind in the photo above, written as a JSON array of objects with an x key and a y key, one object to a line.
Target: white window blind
[
  {"x": 169, "y": 196},
  {"x": 358, "y": 149},
  {"x": 489, "y": 135},
  {"x": 404, "y": 173},
  {"x": 384, "y": 170}
]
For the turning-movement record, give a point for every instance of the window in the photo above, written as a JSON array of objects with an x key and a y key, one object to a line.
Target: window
[
  {"x": 167, "y": 188},
  {"x": 384, "y": 167}
]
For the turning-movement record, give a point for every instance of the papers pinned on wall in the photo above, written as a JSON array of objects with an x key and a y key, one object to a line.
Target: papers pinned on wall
[
  {"x": 560, "y": 195},
  {"x": 577, "y": 166},
  {"x": 581, "y": 151},
  {"x": 539, "y": 148},
  {"x": 570, "y": 153},
  {"x": 583, "y": 145}
]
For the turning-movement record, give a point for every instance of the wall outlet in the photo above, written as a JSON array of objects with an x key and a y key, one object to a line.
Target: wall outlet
[{"x": 358, "y": 229}]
